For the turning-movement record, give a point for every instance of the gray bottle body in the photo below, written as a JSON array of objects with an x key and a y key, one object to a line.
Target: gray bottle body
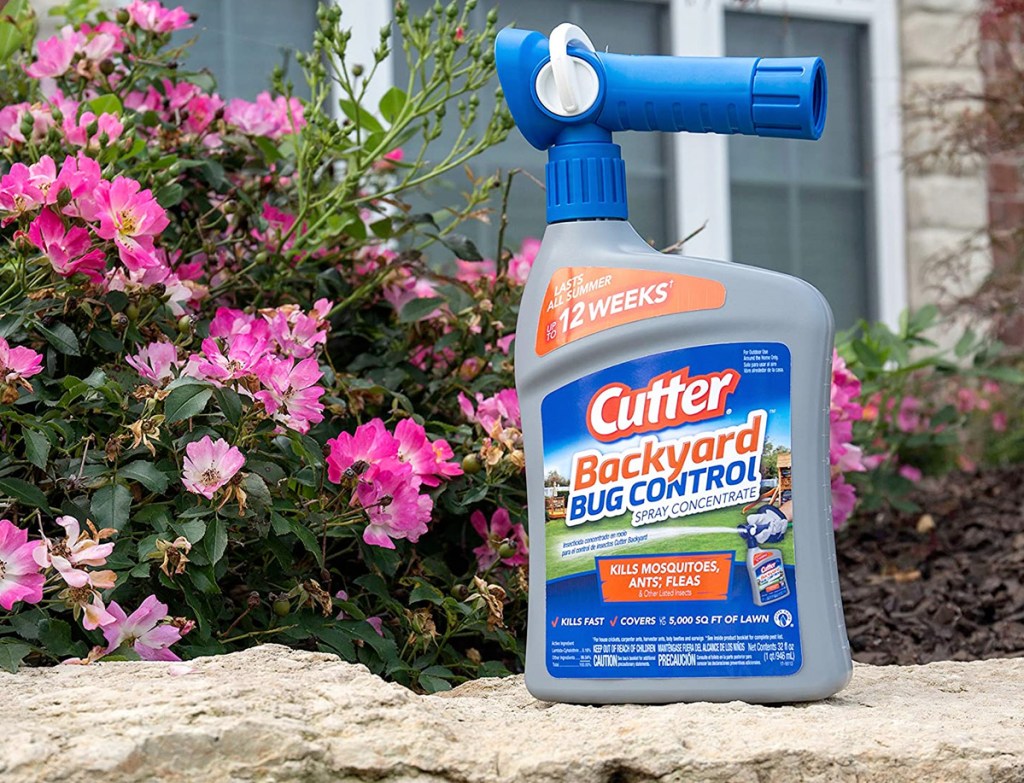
[{"x": 760, "y": 306}]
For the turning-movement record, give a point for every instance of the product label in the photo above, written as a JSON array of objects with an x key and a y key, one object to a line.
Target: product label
[
  {"x": 581, "y": 301},
  {"x": 664, "y": 478}
]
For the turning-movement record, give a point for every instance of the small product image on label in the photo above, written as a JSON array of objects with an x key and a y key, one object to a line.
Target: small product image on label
[{"x": 669, "y": 516}]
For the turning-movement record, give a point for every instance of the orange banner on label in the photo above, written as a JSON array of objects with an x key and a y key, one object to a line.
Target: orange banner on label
[
  {"x": 582, "y": 301},
  {"x": 700, "y": 577}
]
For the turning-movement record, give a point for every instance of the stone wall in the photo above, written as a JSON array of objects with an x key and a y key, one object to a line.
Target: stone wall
[
  {"x": 947, "y": 200},
  {"x": 273, "y": 714}
]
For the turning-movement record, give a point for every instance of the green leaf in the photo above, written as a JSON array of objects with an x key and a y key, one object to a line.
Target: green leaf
[
  {"x": 421, "y": 218},
  {"x": 306, "y": 448},
  {"x": 186, "y": 401},
  {"x": 111, "y": 505},
  {"x": 425, "y": 592},
  {"x": 194, "y": 530},
  {"x": 1007, "y": 374},
  {"x": 356, "y": 230},
  {"x": 202, "y": 578},
  {"x": 922, "y": 319},
  {"x": 95, "y": 379},
  {"x": 9, "y": 324},
  {"x": 360, "y": 116},
  {"x": 213, "y": 173},
  {"x": 474, "y": 495},
  {"x": 146, "y": 546},
  {"x": 432, "y": 684},
  {"x": 147, "y": 474},
  {"x": 392, "y": 103},
  {"x": 215, "y": 542},
  {"x": 137, "y": 148},
  {"x": 26, "y": 622},
  {"x": 279, "y": 524},
  {"x": 37, "y": 448},
  {"x": 308, "y": 539},
  {"x": 386, "y": 561},
  {"x": 965, "y": 344},
  {"x": 268, "y": 148},
  {"x": 418, "y": 309},
  {"x": 338, "y": 641},
  {"x": 868, "y": 355},
  {"x": 269, "y": 471},
  {"x": 170, "y": 195},
  {"x": 106, "y": 104},
  {"x": 24, "y": 492},
  {"x": 107, "y": 341},
  {"x": 55, "y": 638},
  {"x": 462, "y": 246},
  {"x": 338, "y": 222},
  {"x": 12, "y": 653},
  {"x": 230, "y": 404},
  {"x": 383, "y": 229},
  {"x": 61, "y": 337},
  {"x": 493, "y": 669},
  {"x": 260, "y": 502},
  {"x": 14, "y": 16},
  {"x": 155, "y": 515},
  {"x": 382, "y": 645}
]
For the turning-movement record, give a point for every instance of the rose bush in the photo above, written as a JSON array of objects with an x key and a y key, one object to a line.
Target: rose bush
[
  {"x": 238, "y": 404},
  {"x": 904, "y": 407}
]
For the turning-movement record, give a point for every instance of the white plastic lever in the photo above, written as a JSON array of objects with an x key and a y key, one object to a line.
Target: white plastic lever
[
  {"x": 568, "y": 85},
  {"x": 562, "y": 65}
]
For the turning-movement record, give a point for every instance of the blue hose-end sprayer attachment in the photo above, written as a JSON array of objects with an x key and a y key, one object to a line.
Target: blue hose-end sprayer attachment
[{"x": 568, "y": 98}]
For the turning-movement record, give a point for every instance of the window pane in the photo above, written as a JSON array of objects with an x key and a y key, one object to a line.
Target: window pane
[
  {"x": 764, "y": 213},
  {"x": 636, "y": 28},
  {"x": 242, "y": 41},
  {"x": 835, "y": 249},
  {"x": 800, "y": 207}
]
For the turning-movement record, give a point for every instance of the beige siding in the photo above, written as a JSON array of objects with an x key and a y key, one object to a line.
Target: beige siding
[{"x": 947, "y": 199}]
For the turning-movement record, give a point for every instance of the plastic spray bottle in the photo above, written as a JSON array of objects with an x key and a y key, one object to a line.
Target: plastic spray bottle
[
  {"x": 766, "y": 568},
  {"x": 666, "y": 402}
]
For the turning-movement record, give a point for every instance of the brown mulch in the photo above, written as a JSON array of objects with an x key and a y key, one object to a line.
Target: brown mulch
[{"x": 944, "y": 583}]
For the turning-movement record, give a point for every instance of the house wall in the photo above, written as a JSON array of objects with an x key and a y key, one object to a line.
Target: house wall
[
  {"x": 947, "y": 202},
  {"x": 1002, "y": 58},
  {"x": 947, "y": 199}
]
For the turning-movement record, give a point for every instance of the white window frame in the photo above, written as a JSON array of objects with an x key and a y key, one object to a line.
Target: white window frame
[
  {"x": 702, "y": 181},
  {"x": 701, "y": 168},
  {"x": 366, "y": 18}
]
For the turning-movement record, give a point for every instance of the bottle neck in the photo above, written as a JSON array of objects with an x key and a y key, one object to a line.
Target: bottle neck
[{"x": 586, "y": 181}]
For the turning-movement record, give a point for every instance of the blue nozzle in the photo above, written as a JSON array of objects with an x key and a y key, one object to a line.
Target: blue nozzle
[
  {"x": 780, "y": 97},
  {"x": 776, "y": 97}
]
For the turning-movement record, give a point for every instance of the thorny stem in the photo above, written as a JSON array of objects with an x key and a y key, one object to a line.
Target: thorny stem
[
  {"x": 448, "y": 79},
  {"x": 501, "y": 259}
]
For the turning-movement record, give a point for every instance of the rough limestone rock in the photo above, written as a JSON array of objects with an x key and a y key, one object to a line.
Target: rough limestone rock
[{"x": 272, "y": 714}]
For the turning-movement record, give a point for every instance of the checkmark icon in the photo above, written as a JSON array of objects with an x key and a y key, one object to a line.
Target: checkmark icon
[
  {"x": 554, "y": 623},
  {"x": 615, "y": 621}
]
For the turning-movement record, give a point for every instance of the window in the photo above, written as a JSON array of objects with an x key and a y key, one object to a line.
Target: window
[
  {"x": 242, "y": 41},
  {"x": 831, "y": 212},
  {"x": 635, "y": 27},
  {"x": 804, "y": 208}
]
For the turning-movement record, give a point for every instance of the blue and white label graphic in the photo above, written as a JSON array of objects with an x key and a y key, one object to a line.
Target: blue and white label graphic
[{"x": 652, "y": 468}]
